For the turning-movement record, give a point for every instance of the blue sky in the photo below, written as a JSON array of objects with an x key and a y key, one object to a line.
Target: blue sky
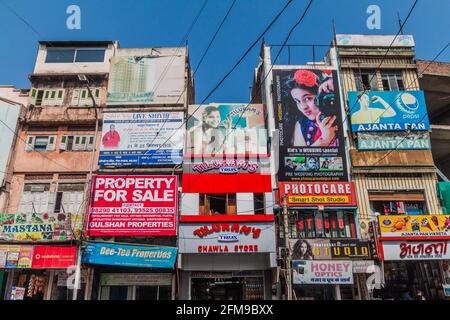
[{"x": 158, "y": 23}]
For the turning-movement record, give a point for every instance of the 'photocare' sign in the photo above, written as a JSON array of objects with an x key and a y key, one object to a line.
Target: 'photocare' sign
[{"x": 133, "y": 206}]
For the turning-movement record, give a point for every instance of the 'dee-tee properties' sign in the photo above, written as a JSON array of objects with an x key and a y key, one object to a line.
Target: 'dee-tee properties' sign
[{"x": 133, "y": 206}]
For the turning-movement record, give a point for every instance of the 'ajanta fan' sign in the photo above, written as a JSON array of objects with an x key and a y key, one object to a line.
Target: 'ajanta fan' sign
[{"x": 133, "y": 205}]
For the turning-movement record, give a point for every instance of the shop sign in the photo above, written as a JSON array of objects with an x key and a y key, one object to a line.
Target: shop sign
[
  {"x": 54, "y": 257},
  {"x": 136, "y": 279},
  {"x": 308, "y": 194},
  {"x": 326, "y": 249},
  {"x": 446, "y": 288},
  {"x": 363, "y": 266},
  {"x": 418, "y": 140},
  {"x": 226, "y": 166},
  {"x": 35, "y": 227},
  {"x": 436, "y": 226},
  {"x": 133, "y": 206},
  {"x": 37, "y": 257},
  {"x": 322, "y": 272},
  {"x": 17, "y": 293},
  {"x": 227, "y": 238},
  {"x": 415, "y": 250},
  {"x": 388, "y": 111},
  {"x": 129, "y": 255}
]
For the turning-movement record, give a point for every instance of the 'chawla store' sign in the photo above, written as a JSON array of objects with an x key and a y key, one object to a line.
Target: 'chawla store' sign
[{"x": 232, "y": 237}]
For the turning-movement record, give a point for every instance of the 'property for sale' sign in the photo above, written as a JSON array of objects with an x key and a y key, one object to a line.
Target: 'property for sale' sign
[{"x": 133, "y": 206}]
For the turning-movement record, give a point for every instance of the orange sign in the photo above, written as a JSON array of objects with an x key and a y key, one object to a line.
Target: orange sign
[{"x": 414, "y": 226}]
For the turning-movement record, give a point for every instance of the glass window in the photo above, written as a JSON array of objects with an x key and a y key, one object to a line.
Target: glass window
[
  {"x": 59, "y": 55},
  {"x": 392, "y": 81},
  {"x": 146, "y": 293},
  {"x": 90, "y": 55},
  {"x": 258, "y": 203},
  {"x": 366, "y": 80},
  {"x": 118, "y": 292},
  {"x": 165, "y": 293}
]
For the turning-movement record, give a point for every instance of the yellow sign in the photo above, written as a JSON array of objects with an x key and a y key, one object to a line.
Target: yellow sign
[
  {"x": 436, "y": 225},
  {"x": 318, "y": 199}
]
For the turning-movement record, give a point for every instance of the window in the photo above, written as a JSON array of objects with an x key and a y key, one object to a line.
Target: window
[
  {"x": 60, "y": 55},
  {"x": 392, "y": 81},
  {"x": 366, "y": 80},
  {"x": 77, "y": 142},
  {"x": 40, "y": 143},
  {"x": 81, "y": 97},
  {"x": 69, "y": 198},
  {"x": 90, "y": 55},
  {"x": 64, "y": 55},
  {"x": 35, "y": 198},
  {"x": 258, "y": 203},
  {"x": 317, "y": 224},
  {"x": 47, "y": 97},
  {"x": 212, "y": 204},
  {"x": 398, "y": 207}
]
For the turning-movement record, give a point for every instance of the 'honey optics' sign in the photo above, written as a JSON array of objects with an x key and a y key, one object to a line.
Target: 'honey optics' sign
[{"x": 308, "y": 194}]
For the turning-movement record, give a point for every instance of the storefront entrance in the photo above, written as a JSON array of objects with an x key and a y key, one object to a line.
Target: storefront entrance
[
  {"x": 227, "y": 288},
  {"x": 135, "y": 286}
]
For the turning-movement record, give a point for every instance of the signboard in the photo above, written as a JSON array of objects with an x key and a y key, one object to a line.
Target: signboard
[
  {"x": 129, "y": 255},
  {"x": 308, "y": 117},
  {"x": 136, "y": 279},
  {"x": 360, "y": 40},
  {"x": 409, "y": 227},
  {"x": 363, "y": 266},
  {"x": 226, "y": 129},
  {"x": 35, "y": 227},
  {"x": 222, "y": 238},
  {"x": 415, "y": 250},
  {"x": 446, "y": 288},
  {"x": 146, "y": 76},
  {"x": 394, "y": 140},
  {"x": 141, "y": 139},
  {"x": 17, "y": 293},
  {"x": 328, "y": 249},
  {"x": 322, "y": 272},
  {"x": 133, "y": 206},
  {"x": 37, "y": 257},
  {"x": 388, "y": 111},
  {"x": 309, "y": 194},
  {"x": 53, "y": 257},
  {"x": 223, "y": 166}
]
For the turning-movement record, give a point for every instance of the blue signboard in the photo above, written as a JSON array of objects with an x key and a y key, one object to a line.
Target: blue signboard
[
  {"x": 388, "y": 111},
  {"x": 129, "y": 255},
  {"x": 140, "y": 139}
]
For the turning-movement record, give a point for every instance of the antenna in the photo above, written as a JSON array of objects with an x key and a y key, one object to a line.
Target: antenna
[{"x": 400, "y": 22}]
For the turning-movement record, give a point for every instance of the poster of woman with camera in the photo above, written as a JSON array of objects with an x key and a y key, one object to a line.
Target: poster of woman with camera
[
  {"x": 313, "y": 94},
  {"x": 308, "y": 116}
]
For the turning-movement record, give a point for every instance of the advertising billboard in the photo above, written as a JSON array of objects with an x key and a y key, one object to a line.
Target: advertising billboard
[
  {"x": 322, "y": 272},
  {"x": 388, "y": 111},
  {"x": 308, "y": 117},
  {"x": 328, "y": 249},
  {"x": 35, "y": 227},
  {"x": 37, "y": 257},
  {"x": 418, "y": 140},
  {"x": 133, "y": 205},
  {"x": 414, "y": 250},
  {"x": 226, "y": 129},
  {"x": 147, "y": 76},
  {"x": 129, "y": 255},
  {"x": 309, "y": 194},
  {"x": 140, "y": 139},
  {"x": 417, "y": 226},
  {"x": 224, "y": 238}
]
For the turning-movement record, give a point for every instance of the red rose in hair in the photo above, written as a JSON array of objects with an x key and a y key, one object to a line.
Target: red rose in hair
[
  {"x": 306, "y": 78},
  {"x": 328, "y": 72}
]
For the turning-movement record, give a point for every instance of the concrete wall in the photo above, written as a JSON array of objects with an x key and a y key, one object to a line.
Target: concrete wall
[{"x": 77, "y": 67}]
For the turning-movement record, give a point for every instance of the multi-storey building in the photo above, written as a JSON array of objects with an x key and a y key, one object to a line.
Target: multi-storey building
[
  {"x": 54, "y": 156},
  {"x": 226, "y": 232},
  {"x": 392, "y": 164},
  {"x": 133, "y": 215}
]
